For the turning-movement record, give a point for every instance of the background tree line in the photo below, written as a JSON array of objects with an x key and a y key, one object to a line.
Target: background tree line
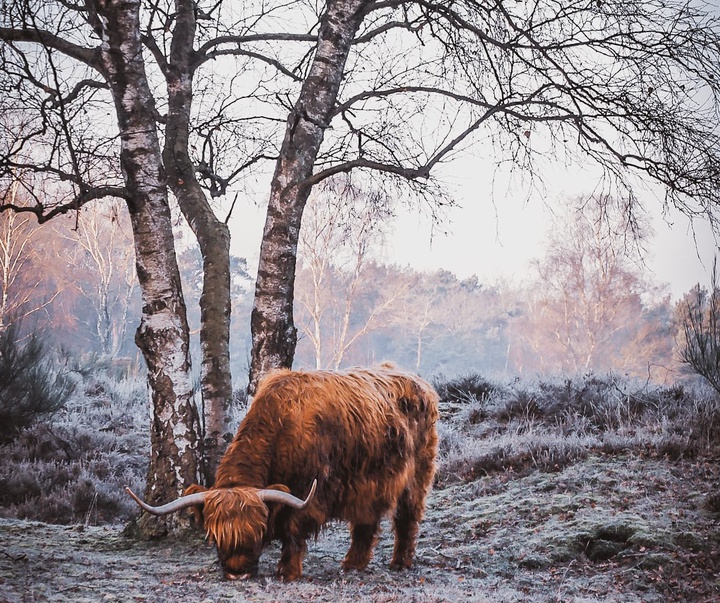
[{"x": 586, "y": 305}]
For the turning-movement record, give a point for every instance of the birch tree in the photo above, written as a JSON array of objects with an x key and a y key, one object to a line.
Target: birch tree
[
  {"x": 632, "y": 88},
  {"x": 102, "y": 244},
  {"x": 58, "y": 78},
  {"x": 589, "y": 307},
  {"x": 18, "y": 253},
  {"x": 57, "y": 58},
  {"x": 339, "y": 302}
]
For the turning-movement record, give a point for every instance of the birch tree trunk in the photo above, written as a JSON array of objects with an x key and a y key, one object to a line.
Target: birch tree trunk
[
  {"x": 163, "y": 334},
  {"x": 274, "y": 334},
  {"x": 16, "y": 243},
  {"x": 213, "y": 239}
]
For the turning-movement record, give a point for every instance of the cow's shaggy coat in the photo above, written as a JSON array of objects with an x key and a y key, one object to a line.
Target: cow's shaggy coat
[{"x": 367, "y": 436}]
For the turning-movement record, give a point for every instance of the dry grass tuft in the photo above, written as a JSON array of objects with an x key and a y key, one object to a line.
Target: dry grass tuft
[{"x": 549, "y": 425}]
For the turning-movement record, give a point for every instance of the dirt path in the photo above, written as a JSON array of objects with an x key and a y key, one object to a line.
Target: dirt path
[{"x": 601, "y": 530}]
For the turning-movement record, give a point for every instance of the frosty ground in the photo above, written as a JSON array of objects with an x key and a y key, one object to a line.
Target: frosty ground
[{"x": 606, "y": 528}]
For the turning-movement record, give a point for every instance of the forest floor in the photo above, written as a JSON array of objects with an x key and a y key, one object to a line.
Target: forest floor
[{"x": 606, "y": 528}]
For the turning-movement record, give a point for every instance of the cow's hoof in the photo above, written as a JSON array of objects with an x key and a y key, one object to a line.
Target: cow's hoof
[{"x": 400, "y": 564}]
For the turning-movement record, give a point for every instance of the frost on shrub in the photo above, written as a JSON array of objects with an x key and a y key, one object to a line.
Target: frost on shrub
[
  {"x": 464, "y": 388},
  {"x": 74, "y": 470},
  {"x": 550, "y": 424},
  {"x": 29, "y": 386},
  {"x": 700, "y": 324}
]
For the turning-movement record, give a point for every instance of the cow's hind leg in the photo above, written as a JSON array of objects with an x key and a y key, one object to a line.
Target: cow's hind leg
[
  {"x": 407, "y": 517},
  {"x": 363, "y": 537}
]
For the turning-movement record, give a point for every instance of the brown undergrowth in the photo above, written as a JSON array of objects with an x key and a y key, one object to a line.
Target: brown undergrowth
[
  {"x": 578, "y": 490},
  {"x": 607, "y": 528}
]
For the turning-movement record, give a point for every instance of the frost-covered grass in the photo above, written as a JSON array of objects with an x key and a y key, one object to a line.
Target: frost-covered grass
[
  {"x": 582, "y": 490},
  {"x": 548, "y": 425},
  {"x": 607, "y": 529},
  {"x": 73, "y": 467}
]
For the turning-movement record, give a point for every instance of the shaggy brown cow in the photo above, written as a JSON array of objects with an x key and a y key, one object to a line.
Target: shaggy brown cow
[{"x": 362, "y": 442}]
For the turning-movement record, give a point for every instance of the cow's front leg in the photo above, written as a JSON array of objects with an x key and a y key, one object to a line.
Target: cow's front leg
[
  {"x": 291, "y": 559},
  {"x": 361, "y": 547}
]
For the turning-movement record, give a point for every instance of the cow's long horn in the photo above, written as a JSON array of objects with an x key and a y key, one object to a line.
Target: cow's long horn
[
  {"x": 183, "y": 502},
  {"x": 279, "y": 496}
]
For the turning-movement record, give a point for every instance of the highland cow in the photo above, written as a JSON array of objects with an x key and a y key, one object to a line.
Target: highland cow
[{"x": 361, "y": 442}]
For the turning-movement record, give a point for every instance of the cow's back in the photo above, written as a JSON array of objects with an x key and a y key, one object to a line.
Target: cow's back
[{"x": 362, "y": 434}]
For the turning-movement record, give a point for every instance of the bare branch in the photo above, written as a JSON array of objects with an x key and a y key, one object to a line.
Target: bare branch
[
  {"x": 255, "y": 55},
  {"x": 215, "y": 48},
  {"x": 408, "y": 173},
  {"x": 88, "y": 56},
  {"x": 45, "y": 213},
  {"x": 77, "y": 91}
]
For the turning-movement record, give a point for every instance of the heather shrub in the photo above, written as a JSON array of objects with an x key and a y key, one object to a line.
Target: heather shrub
[
  {"x": 549, "y": 424},
  {"x": 74, "y": 470},
  {"x": 31, "y": 387},
  {"x": 464, "y": 388}
]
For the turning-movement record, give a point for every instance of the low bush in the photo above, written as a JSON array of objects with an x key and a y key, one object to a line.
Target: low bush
[
  {"x": 74, "y": 470},
  {"x": 547, "y": 425},
  {"x": 464, "y": 388},
  {"x": 31, "y": 388}
]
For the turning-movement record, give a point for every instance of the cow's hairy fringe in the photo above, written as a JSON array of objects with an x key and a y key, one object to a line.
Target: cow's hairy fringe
[{"x": 234, "y": 516}]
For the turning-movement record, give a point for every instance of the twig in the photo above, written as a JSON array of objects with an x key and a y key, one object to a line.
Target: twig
[
  {"x": 441, "y": 553},
  {"x": 20, "y": 557},
  {"x": 562, "y": 580}
]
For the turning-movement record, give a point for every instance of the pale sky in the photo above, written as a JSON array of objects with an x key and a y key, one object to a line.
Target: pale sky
[
  {"x": 501, "y": 246},
  {"x": 495, "y": 233},
  {"x": 499, "y": 240}
]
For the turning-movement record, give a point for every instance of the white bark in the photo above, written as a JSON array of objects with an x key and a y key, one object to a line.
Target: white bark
[
  {"x": 273, "y": 329},
  {"x": 163, "y": 335}
]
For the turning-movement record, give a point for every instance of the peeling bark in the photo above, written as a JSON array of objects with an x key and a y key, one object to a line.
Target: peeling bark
[
  {"x": 163, "y": 334},
  {"x": 213, "y": 239},
  {"x": 274, "y": 334}
]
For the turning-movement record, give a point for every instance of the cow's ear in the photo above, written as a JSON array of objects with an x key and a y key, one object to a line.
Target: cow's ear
[
  {"x": 197, "y": 510},
  {"x": 274, "y": 508},
  {"x": 281, "y": 487}
]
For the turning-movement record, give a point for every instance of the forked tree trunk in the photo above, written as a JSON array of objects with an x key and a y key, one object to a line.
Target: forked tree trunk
[
  {"x": 213, "y": 239},
  {"x": 274, "y": 334},
  {"x": 163, "y": 335}
]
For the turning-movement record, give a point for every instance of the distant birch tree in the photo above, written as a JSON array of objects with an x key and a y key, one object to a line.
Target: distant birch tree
[
  {"x": 589, "y": 306},
  {"x": 339, "y": 304},
  {"x": 103, "y": 246},
  {"x": 19, "y": 239}
]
